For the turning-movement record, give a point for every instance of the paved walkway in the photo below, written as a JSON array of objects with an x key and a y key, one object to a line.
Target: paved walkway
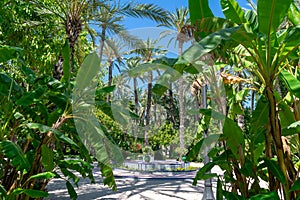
[
  {"x": 119, "y": 173},
  {"x": 132, "y": 186}
]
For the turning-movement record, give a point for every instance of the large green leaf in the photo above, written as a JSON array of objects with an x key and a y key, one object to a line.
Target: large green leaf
[
  {"x": 146, "y": 67},
  {"x": 233, "y": 11},
  {"x": 275, "y": 169},
  {"x": 193, "y": 153},
  {"x": 108, "y": 176},
  {"x": 208, "y": 44},
  {"x": 105, "y": 150},
  {"x": 291, "y": 129},
  {"x": 285, "y": 114},
  {"x": 292, "y": 84},
  {"x": 8, "y": 52},
  {"x": 259, "y": 118},
  {"x": 88, "y": 71},
  {"x": 71, "y": 191},
  {"x": 234, "y": 136},
  {"x": 251, "y": 17},
  {"x": 31, "y": 97},
  {"x": 43, "y": 175},
  {"x": 292, "y": 39},
  {"x": 47, "y": 158},
  {"x": 219, "y": 194},
  {"x": 9, "y": 85},
  {"x": 15, "y": 153},
  {"x": 199, "y": 9},
  {"x": 209, "y": 25},
  {"x": 271, "y": 13},
  {"x": 296, "y": 185},
  {"x": 266, "y": 196},
  {"x": 106, "y": 90},
  {"x": 294, "y": 14},
  {"x": 201, "y": 174},
  {"x": 59, "y": 135},
  {"x": 31, "y": 193},
  {"x": 66, "y": 64}
]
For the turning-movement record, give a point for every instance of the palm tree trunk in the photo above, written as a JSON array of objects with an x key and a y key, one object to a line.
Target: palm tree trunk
[
  {"x": 102, "y": 40},
  {"x": 148, "y": 109},
  {"x": 181, "y": 104},
  {"x": 252, "y": 99},
  {"x": 110, "y": 77},
  {"x": 73, "y": 29},
  {"x": 136, "y": 107},
  {"x": 171, "y": 104}
]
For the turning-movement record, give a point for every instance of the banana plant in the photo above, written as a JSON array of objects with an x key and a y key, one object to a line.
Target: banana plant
[
  {"x": 270, "y": 40},
  {"x": 37, "y": 135}
]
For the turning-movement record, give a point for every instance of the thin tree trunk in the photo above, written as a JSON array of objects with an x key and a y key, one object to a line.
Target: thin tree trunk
[
  {"x": 136, "y": 107},
  {"x": 276, "y": 134},
  {"x": 110, "y": 77},
  {"x": 171, "y": 104},
  {"x": 252, "y": 99},
  {"x": 181, "y": 104},
  {"x": 148, "y": 109},
  {"x": 102, "y": 40}
]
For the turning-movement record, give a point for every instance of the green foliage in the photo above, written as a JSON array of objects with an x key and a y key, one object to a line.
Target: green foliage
[
  {"x": 165, "y": 135},
  {"x": 118, "y": 135},
  {"x": 38, "y": 138},
  {"x": 14, "y": 152},
  {"x": 266, "y": 45}
]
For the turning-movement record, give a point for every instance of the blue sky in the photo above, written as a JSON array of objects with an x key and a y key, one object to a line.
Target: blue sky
[
  {"x": 171, "y": 5},
  {"x": 145, "y": 28}
]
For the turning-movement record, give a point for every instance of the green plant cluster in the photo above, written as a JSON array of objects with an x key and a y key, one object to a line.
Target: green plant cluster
[
  {"x": 257, "y": 54},
  {"x": 120, "y": 137},
  {"x": 38, "y": 138},
  {"x": 164, "y": 136}
]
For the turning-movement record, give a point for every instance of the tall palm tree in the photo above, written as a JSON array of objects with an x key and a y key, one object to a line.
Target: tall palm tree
[
  {"x": 132, "y": 63},
  {"x": 73, "y": 15},
  {"x": 180, "y": 25},
  {"x": 149, "y": 51},
  {"x": 110, "y": 17},
  {"x": 113, "y": 51}
]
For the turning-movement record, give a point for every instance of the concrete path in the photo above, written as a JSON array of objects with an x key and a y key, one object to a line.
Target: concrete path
[{"x": 132, "y": 188}]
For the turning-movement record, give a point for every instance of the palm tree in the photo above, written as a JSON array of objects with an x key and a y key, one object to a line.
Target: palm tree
[
  {"x": 132, "y": 63},
  {"x": 149, "y": 52},
  {"x": 74, "y": 16},
  {"x": 180, "y": 25},
  {"x": 113, "y": 51},
  {"x": 110, "y": 17}
]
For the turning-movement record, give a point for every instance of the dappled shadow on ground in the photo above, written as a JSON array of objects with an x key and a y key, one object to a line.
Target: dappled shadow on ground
[{"x": 129, "y": 188}]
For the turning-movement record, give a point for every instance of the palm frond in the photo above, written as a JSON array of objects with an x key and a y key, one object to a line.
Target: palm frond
[{"x": 150, "y": 11}]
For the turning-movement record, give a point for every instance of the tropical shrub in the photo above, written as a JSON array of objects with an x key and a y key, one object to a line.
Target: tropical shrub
[
  {"x": 264, "y": 42},
  {"x": 38, "y": 139}
]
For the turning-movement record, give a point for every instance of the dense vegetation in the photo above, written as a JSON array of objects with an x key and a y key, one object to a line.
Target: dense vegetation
[{"x": 63, "y": 106}]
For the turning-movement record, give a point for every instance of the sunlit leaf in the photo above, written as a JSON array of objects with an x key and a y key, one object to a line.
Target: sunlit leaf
[
  {"x": 267, "y": 196},
  {"x": 233, "y": 11},
  {"x": 43, "y": 175},
  {"x": 15, "y": 153},
  {"x": 271, "y": 13}
]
